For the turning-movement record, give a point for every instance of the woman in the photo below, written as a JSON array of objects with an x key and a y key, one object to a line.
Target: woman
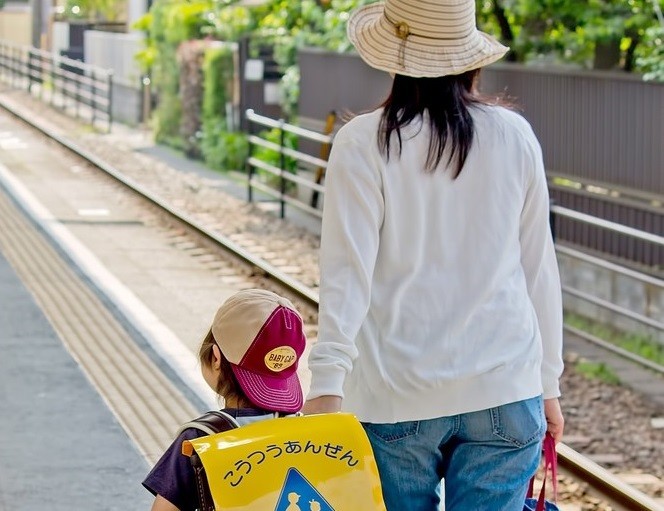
[{"x": 440, "y": 322}]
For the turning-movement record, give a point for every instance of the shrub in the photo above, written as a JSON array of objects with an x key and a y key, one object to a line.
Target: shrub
[
  {"x": 222, "y": 146},
  {"x": 169, "y": 23},
  {"x": 651, "y": 56},
  {"x": 274, "y": 158},
  {"x": 223, "y": 149}
]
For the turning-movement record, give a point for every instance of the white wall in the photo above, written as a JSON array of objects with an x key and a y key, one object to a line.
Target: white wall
[
  {"x": 59, "y": 37},
  {"x": 16, "y": 24},
  {"x": 115, "y": 51}
]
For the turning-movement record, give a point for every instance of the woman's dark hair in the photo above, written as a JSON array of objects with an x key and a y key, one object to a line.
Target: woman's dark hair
[{"x": 447, "y": 100}]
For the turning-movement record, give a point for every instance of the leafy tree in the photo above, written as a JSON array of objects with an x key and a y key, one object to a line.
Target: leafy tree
[
  {"x": 191, "y": 76},
  {"x": 167, "y": 25},
  {"x": 592, "y": 33},
  {"x": 228, "y": 21},
  {"x": 650, "y": 56},
  {"x": 94, "y": 10},
  {"x": 288, "y": 25}
]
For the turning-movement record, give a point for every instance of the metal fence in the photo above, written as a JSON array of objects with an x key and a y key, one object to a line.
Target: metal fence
[
  {"x": 78, "y": 89},
  {"x": 271, "y": 176},
  {"x": 586, "y": 215},
  {"x": 637, "y": 210},
  {"x": 631, "y": 298}
]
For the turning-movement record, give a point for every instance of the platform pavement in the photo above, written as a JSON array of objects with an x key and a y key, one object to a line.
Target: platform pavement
[{"x": 44, "y": 462}]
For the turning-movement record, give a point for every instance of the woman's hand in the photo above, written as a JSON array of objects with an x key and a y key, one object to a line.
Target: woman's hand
[
  {"x": 322, "y": 404},
  {"x": 555, "y": 422}
]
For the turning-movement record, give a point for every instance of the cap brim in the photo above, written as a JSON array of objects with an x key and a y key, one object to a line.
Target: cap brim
[
  {"x": 374, "y": 39},
  {"x": 277, "y": 394}
]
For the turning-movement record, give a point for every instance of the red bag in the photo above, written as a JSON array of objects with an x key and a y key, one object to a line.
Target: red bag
[{"x": 550, "y": 461}]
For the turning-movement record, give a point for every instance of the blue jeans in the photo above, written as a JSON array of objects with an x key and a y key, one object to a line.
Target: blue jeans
[{"x": 486, "y": 458}]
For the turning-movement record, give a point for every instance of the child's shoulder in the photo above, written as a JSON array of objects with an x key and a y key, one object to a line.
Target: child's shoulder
[
  {"x": 211, "y": 422},
  {"x": 217, "y": 421}
]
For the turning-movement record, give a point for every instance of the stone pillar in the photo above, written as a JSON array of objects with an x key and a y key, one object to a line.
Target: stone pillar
[{"x": 37, "y": 22}]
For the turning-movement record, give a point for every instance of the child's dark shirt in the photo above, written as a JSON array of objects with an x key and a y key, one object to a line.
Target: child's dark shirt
[{"x": 173, "y": 478}]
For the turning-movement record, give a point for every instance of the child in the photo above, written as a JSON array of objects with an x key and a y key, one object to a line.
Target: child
[{"x": 249, "y": 357}]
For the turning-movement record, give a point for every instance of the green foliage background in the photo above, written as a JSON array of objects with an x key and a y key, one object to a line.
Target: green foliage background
[
  {"x": 93, "y": 10},
  {"x": 222, "y": 148},
  {"x": 576, "y": 32},
  {"x": 616, "y": 34},
  {"x": 201, "y": 129}
]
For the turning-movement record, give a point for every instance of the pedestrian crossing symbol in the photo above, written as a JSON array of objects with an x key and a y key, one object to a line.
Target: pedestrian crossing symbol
[{"x": 298, "y": 494}]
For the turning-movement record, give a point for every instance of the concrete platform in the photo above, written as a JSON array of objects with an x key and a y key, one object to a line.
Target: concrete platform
[{"x": 61, "y": 448}]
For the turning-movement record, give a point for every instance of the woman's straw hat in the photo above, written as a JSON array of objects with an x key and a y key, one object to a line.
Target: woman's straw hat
[{"x": 422, "y": 38}]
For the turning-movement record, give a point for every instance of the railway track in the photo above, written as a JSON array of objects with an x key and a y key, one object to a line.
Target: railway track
[{"x": 603, "y": 483}]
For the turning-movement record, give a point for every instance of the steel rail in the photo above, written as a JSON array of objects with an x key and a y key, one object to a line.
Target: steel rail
[
  {"x": 296, "y": 130},
  {"x": 603, "y": 482}
]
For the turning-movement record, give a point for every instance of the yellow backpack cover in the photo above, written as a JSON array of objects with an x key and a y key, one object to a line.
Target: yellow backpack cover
[{"x": 303, "y": 463}]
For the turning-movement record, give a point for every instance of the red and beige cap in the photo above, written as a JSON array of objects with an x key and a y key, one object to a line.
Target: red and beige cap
[
  {"x": 422, "y": 38},
  {"x": 261, "y": 335}
]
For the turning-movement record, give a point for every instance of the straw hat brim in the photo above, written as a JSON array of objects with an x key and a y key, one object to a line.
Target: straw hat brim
[{"x": 375, "y": 39}]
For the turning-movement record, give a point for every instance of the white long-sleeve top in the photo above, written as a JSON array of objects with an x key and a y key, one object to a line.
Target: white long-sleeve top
[{"x": 438, "y": 296}]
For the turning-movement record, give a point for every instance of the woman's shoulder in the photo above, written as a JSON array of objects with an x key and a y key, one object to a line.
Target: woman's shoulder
[
  {"x": 360, "y": 128},
  {"x": 500, "y": 113},
  {"x": 504, "y": 120}
]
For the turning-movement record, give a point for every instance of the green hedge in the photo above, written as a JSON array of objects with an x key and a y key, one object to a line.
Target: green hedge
[{"x": 222, "y": 146}]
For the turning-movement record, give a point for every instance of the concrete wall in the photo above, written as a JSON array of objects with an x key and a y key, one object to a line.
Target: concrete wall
[
  {"x": 135, "y": 10},
  {"x": 339, "y": 82},
  {"x": 644, "y": 298},
  {"x": 114, "y": 50},
  {"x": 16, "y": 24}
]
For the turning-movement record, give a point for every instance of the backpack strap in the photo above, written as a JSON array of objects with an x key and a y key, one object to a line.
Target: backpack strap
[{"x": 210, "y": 423}]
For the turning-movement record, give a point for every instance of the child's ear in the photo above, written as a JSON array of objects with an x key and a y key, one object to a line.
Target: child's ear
[{"x": 216, "y": 357}]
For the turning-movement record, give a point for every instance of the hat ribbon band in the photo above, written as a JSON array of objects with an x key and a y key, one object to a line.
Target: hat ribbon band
[{"x": 402, "y": 31}]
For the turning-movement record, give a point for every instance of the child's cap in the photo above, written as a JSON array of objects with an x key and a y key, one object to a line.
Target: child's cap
[{"x": 260, "y": 334}]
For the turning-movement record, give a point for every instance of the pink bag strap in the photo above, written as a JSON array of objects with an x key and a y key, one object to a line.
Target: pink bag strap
[{"x": 550, "y": 461}]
